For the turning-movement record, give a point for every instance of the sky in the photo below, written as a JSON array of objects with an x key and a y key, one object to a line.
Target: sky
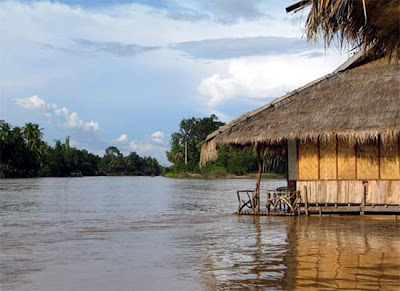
[{"x": 125, "y": 73}]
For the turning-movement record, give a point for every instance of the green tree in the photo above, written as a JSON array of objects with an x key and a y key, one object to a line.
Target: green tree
[
  {"x": 112, "y": 162},
  {"x": 23, "y": 153},
  {"x": 21, "y": 150},
  {"x": 5, "y": 146},
  {"x": 33, "y": 135},
  {"x": 184, "y": 153}
]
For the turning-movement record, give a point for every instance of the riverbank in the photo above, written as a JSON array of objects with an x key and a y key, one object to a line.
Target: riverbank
[{"x": 186, "y": 175}]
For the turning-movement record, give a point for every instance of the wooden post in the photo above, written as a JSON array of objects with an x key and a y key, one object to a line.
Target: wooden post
[
  {"x": 364, "y": 198},
  {"x": 258, "y": 184},
  {"x": 238, "y": 196},
  {"x": 305, "y": 200},
  {"x": 298, "y": 201}
]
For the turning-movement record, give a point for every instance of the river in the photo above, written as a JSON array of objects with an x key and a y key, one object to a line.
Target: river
[{"x": 143, "y": 233}]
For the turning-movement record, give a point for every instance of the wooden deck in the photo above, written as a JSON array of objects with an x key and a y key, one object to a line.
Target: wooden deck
[
  {"x": 289, "y": 203},
  {"x": 264, "y": 213}
]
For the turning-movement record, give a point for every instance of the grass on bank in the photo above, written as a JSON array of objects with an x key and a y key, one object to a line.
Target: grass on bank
[{"x": 221, "y": 173}]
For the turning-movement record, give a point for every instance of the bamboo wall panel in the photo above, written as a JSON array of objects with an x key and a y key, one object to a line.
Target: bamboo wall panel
[
  {"x": 393, "y": 192},
  {"x": 346, "y": 161},
  {"x": 356, "y": 191},
  {"x": 376, "y": 193},
  {"x": 368, "y": 161},
  {"x": 343, "y": 192},
  {"x": 383, "y": 192},
  {"x": 329, "y": 191},
  {"x": 379, "y": 191},
  {"x": 308, "y": 161},
  {"x": 327, "y": 160},
  {"x": 389, "y": 166},
  {"x": 321, "y": 192}
]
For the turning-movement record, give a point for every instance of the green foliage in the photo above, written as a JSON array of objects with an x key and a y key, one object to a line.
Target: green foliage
[
  {"x": 114, "y": 163},
  {"x": 192, "y": 132},
  {"x": 64, "y": 161},
  {"x": 23, "y": 153},
  {"x": 21, "y": 150},
  {"x": 234, "y": 162}
]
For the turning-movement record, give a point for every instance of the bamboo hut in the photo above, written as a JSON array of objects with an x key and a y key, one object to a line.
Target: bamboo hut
[{"x": 340, "y": 133}]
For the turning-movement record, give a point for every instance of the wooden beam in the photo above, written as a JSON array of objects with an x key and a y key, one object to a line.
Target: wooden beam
[
  {"x": 298, "y": 157},
  {"x": 337, "y": 158},
  {"x": 319, "y": 158},
  {"x": 398, "y": 149},
  {"x": 379, "y": 157}
]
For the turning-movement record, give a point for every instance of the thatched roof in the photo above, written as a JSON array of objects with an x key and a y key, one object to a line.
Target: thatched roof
[
  {"x": 366, "y": 23},
  {"x": 355, "y": 103}
]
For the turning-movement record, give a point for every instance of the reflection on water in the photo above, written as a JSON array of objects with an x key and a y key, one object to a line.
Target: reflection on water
[
  {"x": 329, "y": 253},
  {"x": 132, "y": 233},
  {"x": 335, "y": 253}
]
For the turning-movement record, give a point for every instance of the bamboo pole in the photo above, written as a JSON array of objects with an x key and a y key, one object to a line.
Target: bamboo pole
[
  {"x": 258, "y": 184},
  {"x": 306, "y": 200},
  {"x": 364, "y": 198}
]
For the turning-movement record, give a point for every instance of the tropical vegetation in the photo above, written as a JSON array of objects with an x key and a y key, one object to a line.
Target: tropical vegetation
[
  {"x": 24, "y": 153},
  {"x": 185, "y": 146}
]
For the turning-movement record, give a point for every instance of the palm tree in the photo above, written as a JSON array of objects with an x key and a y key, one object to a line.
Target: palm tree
[
  {"x": 33, "y": 136},
  {"x": 5, "y": 148}
]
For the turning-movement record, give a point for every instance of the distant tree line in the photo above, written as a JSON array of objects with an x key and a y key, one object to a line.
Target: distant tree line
[
  {"x": 24, "y": 153},
  {"x": 184, "y": 153}
]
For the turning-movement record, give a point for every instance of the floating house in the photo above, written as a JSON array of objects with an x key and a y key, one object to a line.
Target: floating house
[{"x": 340, "y": 133}]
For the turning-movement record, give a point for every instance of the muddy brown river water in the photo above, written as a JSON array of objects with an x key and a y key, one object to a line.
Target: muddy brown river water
[{"x": 142, "y": 233}]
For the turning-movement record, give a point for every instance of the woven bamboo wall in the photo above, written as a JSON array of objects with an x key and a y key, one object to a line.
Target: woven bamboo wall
[
  {"x": 390, "y": 161},
  {"x": 346, "y": 161},
  {"x": 308, "y": 161},
  {"x": 368, "y": 161},
  {"x": 327, "y": 160},
  {"x": 335, "y": 172},
  {"x": 341, "y": 161}
]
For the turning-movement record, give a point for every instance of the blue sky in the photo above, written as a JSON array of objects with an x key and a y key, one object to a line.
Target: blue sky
[{"x": 125, "y": 73}]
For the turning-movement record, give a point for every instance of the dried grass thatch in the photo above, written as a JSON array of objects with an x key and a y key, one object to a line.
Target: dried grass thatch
[
  {"x": 366, "y": 23},
  {"x": 353, "y": 104}
]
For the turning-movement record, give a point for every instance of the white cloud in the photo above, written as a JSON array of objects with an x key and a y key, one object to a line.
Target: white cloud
[
  {"x": 158, "y": 137},
  {"x": 31, "y": 103},
  {"x": 112, "y": 23},
  {"x": 148, "y": 149},
  {"x": 263, "y": 77},
  {"x": 43, "y": 41},
  {"x": 122, "y": 138},
  {"x": 61, "y": 115}
]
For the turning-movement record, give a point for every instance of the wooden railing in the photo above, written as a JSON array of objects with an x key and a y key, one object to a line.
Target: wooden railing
[
  {"x": 276, "y": 201},
  {"x": 247, "y": 198},
  {"x": 283, "y": 201}
]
